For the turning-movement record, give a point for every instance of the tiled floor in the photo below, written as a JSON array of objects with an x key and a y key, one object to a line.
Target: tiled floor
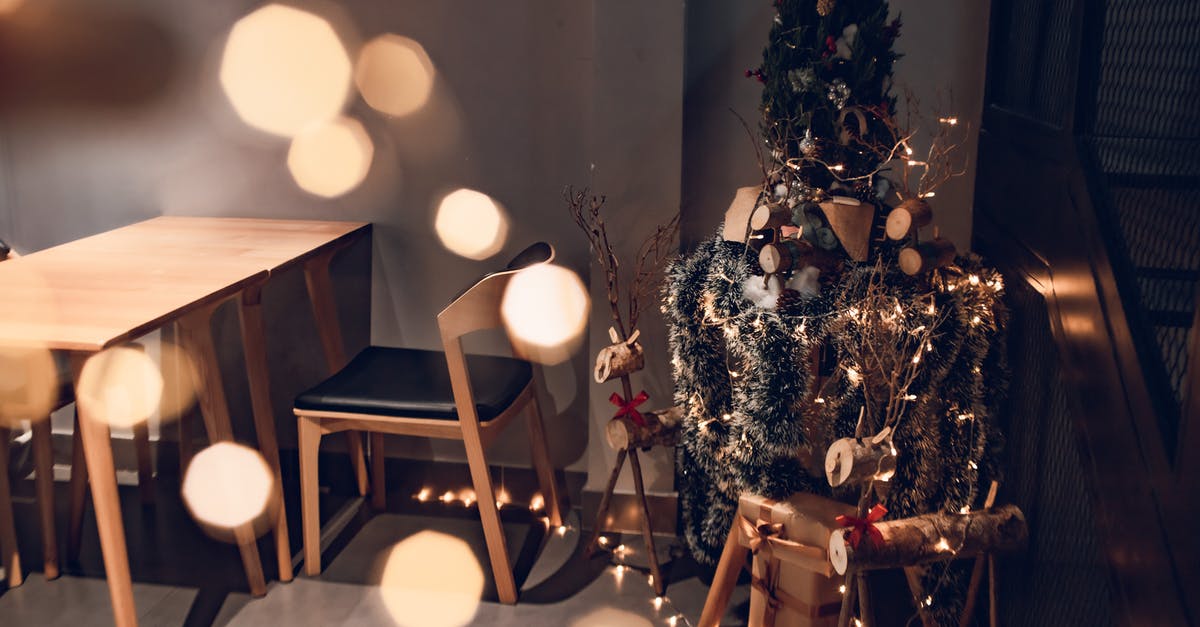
[
  {"x": 200, "y": 581},
  {"x": 605, "y": 596}
]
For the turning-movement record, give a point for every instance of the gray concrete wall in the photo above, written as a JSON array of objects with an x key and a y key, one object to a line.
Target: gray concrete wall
[{"x": 131, "y": 122}]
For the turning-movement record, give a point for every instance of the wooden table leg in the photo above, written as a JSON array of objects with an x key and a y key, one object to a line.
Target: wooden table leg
[
  {"x": 8, "y": 529},
  {"x": 324, "y": 307},
  {"x": 733, "y": 558},
  {"x": 43, "y": 460},
  {"x": 255, "y": 347},
  {"x": 78, "y": 489},
  {"x": 647, "y": 530},
  {"x": 605, "y": 500},
  {"x": 95, "y": 440},
  {"x": 196, "y": 336}
]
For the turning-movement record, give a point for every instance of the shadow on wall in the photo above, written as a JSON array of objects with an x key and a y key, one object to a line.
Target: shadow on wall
[{"x": 84, "y": 57}]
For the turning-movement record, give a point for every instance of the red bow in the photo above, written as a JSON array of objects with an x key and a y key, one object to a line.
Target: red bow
[
  {"x": 788, "y": 231},
  {"x": 859, "y": 526},
  {"x": 630, "y": 408}
]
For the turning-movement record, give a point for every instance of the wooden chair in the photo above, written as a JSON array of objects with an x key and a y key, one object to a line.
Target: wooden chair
[{"x": 437, "y": 395}]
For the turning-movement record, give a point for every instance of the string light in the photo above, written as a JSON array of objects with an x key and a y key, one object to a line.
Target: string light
[
  {"x": 928, "y": 601},
  {"x": 447, "y": 497},
  {"x": 657, "y": 602},
  {"x": 842, "y": 588},
  {"x": 819, "y": 400},
  {"x": 424, "y": 494},
  {"x": 966, "y": 509},
  {"x": 942, "y": 545}
]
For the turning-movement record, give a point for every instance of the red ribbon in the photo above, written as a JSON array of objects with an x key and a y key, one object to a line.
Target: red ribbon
[
  {"x": 859, "y": 526},
  {"x": 630, "y": 408}
]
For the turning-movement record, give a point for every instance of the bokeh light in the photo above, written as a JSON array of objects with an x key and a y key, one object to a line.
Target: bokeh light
[
  {"x": 331, "y": 158},
  {"x": 29, "y": 384},
  {"x": 610, "y": 617},
  {"x": 120, "y": 386},
  {"x": 228, "y": 486},
  {"x": 471, "y": 224},
  {"x": 284, "y": 69},
  {"x": 431, "y": 579},
  {"x": 545, "y": 309},
  {"x": 394, "y": 74},
  {"x": 10, "y": 6}
]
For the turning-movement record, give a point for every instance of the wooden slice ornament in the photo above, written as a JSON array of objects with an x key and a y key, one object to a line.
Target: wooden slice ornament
[
  {"x": 907, "y": 217},
  {"x": 767, "y": 217},
  {"x": 737, "y": 216},
  {"x": 926, "y": 256},
  {"x": 781, "y": 256}
]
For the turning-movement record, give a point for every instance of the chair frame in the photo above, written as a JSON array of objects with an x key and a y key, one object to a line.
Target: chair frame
[{"x": 476, "y": 309}]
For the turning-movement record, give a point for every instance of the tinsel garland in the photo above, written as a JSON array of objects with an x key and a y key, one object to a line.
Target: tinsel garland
[{"x": 743, "y": 375}]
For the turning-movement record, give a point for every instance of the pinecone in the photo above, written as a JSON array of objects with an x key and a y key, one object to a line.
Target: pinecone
[
  {"x": 789, "y": 302},
  {"x": 825, "y": 7}
]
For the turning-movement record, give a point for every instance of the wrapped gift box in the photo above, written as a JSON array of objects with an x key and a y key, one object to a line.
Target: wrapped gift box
[{"x": 791, "y": 563}]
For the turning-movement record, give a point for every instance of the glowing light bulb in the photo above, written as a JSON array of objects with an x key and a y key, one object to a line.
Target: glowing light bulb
[{"x": 424, "y": 494}]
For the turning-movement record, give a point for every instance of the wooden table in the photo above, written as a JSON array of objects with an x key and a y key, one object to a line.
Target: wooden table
[{"x": 105, "y": 290}]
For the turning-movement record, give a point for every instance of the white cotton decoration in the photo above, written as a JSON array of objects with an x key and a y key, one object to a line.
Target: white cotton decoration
[
  {"x": 762, "y": 295},
  {"x": 805, "y": 281}
]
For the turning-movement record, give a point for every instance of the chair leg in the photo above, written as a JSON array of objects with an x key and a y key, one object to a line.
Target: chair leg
[
  {"x": 733, "y": 557},
  {"x": 309, "y": 440},
  {"x": 11, "y": 557},
  {"x": 145, "y": 470},
  {"x": 493, "y": 532},
  {"x": 43, "y": 461},
  {"x": 79, "y": 492},
  {"x": 542, "y": 463},
  {"x": 378, "y": 481}
]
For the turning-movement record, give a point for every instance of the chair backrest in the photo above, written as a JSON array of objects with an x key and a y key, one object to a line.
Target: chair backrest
[{"x": 478, "y": 307}]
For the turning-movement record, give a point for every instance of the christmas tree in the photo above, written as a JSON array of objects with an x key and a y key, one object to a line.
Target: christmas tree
[{"x": 825, "y": 318}]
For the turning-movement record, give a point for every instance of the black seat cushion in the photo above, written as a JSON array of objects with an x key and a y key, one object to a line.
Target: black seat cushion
[{"x": 412, "y": 383}]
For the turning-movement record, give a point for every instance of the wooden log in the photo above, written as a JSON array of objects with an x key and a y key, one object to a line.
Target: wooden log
[
  {"x": 850, "y": 461},
  {"x": 932, "y": 538},
  {"x": 770, "y": 217},
  {"x": 737, "y": 217},
  {"x": 617, "y": 360},
  {"x": 926, "y": 256},
  {"x": 784, "y": 256},
  {"x": 661, "y": 429},
  {"x": 907, "y": 217}
]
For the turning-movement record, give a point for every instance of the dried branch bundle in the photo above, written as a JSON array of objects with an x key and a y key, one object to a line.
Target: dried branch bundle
[{"x": 587, "y": 211}]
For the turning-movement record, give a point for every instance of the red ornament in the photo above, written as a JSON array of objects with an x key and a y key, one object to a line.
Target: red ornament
[
  {"x": 630, "y": 408},
  {"x": 860, "y": 526}
]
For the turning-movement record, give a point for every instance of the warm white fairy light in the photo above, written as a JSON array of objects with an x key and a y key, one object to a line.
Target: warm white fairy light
[
  {"x": 854, "y": 376},
  {"x": 467, "y": 497},
  {"x": 858, "y": 623},
  {"x": 561, "y": 531},
  {"x": 963, "y": 417},
  {"x": 819, "y": 401},
  {"x": 537, "y": 502},
  {"x": 965, "y": 509},
  {"x": 657, "y": 603},
  {"x": 973, "y": 465},
  {"x": 842, "y": 588},
  {"x": 949, "y": 121},
  {"x": 447, "y": 497},
  {"x": 424, "y": 495},
  {"x": 726, "y": 416},
  {"x": 673, "y": 620},
  {"x": 943, "y": 545},
  {"x": 928, "y": 601},
  {"x": 838, "y": 168},
  {"x": 976, "y": 320},
  {"x": 916, "y": 358},
  {"x": 910, "y": 397}
]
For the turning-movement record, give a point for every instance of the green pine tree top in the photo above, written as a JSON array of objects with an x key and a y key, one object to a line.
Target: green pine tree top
[{"x": 828, "y": 60}]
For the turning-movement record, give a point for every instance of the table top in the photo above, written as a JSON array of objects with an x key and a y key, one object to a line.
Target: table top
[{"x": 102, "y": 290}]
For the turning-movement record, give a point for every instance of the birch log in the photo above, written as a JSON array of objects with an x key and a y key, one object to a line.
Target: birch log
[
  {"x": 850, "y": 461},
  {"x": 932, "y": 538},
  {"x": 617, "y": 360},
  {"x": 661, "y": 429}
]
